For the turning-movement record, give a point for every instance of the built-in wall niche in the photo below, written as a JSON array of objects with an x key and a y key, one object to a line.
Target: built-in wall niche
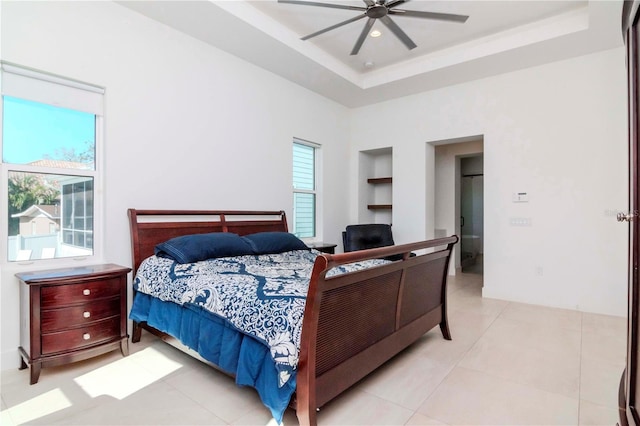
[{"x": 375, "y": 185}]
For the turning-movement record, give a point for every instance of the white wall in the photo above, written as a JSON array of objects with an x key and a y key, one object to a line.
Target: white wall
[
  {"x": 556, "y": 131},
  {"x": 187, "y": 125}
]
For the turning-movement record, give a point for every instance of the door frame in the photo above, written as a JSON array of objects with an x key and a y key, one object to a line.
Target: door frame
[{"x": 628, "y": 393}]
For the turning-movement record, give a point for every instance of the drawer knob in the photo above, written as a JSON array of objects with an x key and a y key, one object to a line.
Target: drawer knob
[
  {"x": 86, "y": 336},
  {"x": 86, "y": 314},
  {"x": 86, "y": 292}
]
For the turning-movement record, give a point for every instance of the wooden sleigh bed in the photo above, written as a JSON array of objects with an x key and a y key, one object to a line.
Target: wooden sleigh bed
[{"x": 353, "y": 322}]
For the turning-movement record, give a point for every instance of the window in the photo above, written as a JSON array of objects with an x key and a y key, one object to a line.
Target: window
[
  {"x": 304, "y": 189},
  {"x": 50, "y": 139}
]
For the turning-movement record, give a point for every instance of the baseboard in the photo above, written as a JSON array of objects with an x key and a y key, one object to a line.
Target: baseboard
[{"x": 10, "y": 360}]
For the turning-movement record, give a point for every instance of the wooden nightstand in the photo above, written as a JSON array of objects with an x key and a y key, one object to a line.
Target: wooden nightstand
[
  {"x": 323, "y": 247},
  {"x": 72, "y": 314}
]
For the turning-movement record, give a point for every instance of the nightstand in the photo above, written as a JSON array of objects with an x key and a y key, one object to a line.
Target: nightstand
[
  {"x": 72, "y": 314},
  {"x": 323, "y": 247}
]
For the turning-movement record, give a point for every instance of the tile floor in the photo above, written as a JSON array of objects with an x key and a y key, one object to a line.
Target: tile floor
[{"x": 508, "y": 364}]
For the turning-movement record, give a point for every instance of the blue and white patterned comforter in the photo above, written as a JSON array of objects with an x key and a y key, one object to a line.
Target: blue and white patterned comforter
[{"x": 261, "y": 295}]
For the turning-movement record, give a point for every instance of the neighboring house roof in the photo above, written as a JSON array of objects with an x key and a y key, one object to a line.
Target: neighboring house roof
[
  {"x": 50, "y": 211},
  {"x": 60, "y": 164}
]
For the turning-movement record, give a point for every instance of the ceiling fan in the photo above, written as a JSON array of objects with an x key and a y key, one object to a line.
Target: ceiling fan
[{"x": 378, "y": 9}]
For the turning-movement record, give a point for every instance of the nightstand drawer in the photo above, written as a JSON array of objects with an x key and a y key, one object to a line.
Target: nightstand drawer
[
  {"x": 68, "y": 340},
  {"x": 59, "y": 319},
  {"x": 62, "y": 295}
]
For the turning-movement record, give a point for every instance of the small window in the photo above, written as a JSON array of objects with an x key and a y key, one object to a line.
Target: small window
[
  {"x": 304, "y": 189},
  {"x": 49, "y": 140}
]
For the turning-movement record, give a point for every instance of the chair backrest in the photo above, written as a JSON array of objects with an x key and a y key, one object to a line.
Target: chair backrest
[{"x": 372, "y": 235}]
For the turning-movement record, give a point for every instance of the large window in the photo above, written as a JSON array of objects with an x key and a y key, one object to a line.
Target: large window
[
  {"x": 304, "y": 189},
  {"x": 50, "y": 135}
]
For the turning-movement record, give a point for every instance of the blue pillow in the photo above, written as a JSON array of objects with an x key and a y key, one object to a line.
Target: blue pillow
[
  {"x": 197, "y": 247},
  {"x": 274, "y": 242}
]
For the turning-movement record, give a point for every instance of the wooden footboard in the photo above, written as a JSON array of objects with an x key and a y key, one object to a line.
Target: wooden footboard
[{"x": 355, "y": 322}]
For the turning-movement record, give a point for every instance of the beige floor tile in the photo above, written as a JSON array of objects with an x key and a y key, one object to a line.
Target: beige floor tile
[
  {"x": 597, "y": 415},
  {"x": 118, "y": 379},
  {"x": 446, "y": 352},
  {"x": 52, "y": 375},
  {"x": 157, "y": 404},
  {"x": 469, "y": 326},
  {"x": 557, "y": 339},
  {"x": 537, "y": 368},
  {"x": 469, "y": 302},
  {"x": 407, "y": 380},
  {"x": 599, "y": 382},
  {"x": 262, "y": 417},
  {"x": 217, "y": 392},
  {"x": 607, "y": 324},
  {"x": 161, "y": 359},
  {"x": 466, "y": 328},
  {"x": 49, "y": 404},
  {"x": 355, "y": 407},
  {"x": 462, "y": 281},
  {"x": 542, "y": 315},
  {"x": 605, "y": 348},
  {"x": 16, "y": 389},
  {"x": 420, "y": 419},
  {"x": 469, "y": 397}
]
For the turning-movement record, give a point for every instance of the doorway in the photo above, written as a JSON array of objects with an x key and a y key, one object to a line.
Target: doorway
[
  {"x": 471, "y": 214},
  {"x": 448, "y": 170}
]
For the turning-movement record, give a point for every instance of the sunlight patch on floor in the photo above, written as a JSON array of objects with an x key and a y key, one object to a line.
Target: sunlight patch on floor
[
  {"x": 124, "y": 377},
  {"x": 40, "y": 406}
]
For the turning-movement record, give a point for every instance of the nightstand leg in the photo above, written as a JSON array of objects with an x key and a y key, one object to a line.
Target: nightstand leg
[
  {"x": 124, "y": 347},
  {"x": 23, "y": 364},
  {"x": 35, "y": 372}
]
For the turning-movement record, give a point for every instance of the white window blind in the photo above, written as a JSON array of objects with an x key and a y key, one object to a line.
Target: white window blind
[
  {"x": 304, "y": 189},
  {"x": 37, "y": 86}
]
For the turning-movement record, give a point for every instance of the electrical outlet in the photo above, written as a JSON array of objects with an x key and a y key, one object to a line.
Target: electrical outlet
[{"x": 520, "y": 221}]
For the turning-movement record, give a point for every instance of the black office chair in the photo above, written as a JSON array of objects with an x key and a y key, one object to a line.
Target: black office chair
[{"x": 368, "y": 236}]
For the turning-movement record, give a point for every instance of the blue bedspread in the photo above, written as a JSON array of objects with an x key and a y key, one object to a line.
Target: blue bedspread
[{"x": 261, "y": 297}]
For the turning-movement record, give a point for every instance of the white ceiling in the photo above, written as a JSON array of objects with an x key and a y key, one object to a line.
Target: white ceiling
[{"x": 498, "y": 37}]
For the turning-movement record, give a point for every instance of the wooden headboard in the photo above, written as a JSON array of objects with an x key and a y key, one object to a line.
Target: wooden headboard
[{"x": 151, "y": 227}]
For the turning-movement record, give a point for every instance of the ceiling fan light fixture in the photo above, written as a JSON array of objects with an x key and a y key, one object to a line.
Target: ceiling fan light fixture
[{"x": 375, "y": 33}]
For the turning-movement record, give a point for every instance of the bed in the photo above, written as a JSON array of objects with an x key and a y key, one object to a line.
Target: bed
[{"x": 348, "y": 313}]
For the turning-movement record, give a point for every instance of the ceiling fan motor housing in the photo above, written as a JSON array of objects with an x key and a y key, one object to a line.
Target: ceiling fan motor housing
[{"x": 377, "y": 11}]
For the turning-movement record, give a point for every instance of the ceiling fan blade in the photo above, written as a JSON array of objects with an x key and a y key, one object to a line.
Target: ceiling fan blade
[
  {"x": 394, "y": 3},
  {"x": 363, "y": 36},
  {"x": 429, "y": 15},
  {"x": 348, "y": 21},
  {"x": 314, "y": 3},
  {"x": 404, "y": 38}
]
